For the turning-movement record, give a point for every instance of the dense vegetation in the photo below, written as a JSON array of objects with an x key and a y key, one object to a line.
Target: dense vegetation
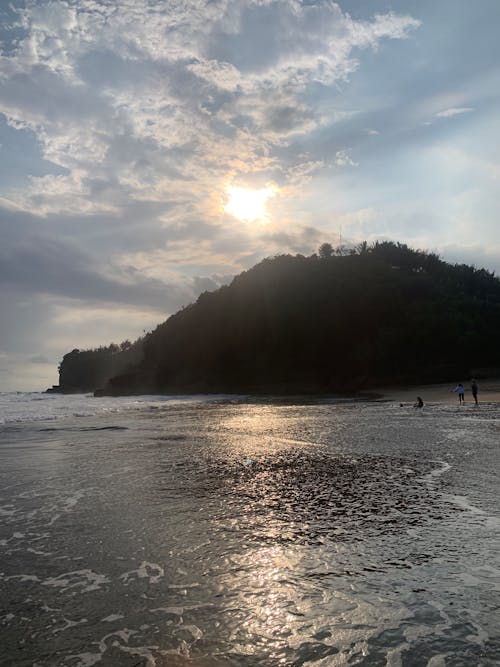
[
  {"x": 338, "y": 321},
  {"x": 86, "y": 370}
]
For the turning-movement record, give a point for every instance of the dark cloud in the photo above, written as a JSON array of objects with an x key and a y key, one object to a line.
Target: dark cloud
[
  {"x": 287, "y": 118},
  {"x": 38, "y": 265},
  {"x": 105, "y": 68},
  {"x": 209, "y": 284},
  {"x": 305, "y": 240},
  {"x": 48, "y": 96},
  {"x": 35, "y": 263},
  {"x": 269, "y": 33}
]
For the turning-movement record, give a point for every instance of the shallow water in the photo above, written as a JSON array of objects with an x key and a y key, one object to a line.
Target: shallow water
[{"x": 239, "y": 532}]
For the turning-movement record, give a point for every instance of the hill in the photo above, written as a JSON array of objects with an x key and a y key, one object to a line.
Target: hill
[
  {"x": 86, "y": 370},
  {"x": 333, "y": 322}
]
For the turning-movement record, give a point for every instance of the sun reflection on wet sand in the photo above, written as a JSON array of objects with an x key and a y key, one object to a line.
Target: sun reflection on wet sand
[
  {"x": 278, "y": 614},
  {"x": 253, "y": 535},
  {"x": 264, "y": 429}
]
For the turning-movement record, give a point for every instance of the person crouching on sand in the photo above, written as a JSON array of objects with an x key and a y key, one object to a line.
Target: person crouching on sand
[
  {"x": 459, "y": 389},
  {"x": 419, "y": 403}
]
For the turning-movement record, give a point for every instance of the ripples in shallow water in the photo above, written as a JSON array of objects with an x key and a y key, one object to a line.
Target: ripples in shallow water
[
  {"x": 312, "y": 495},
  {"x": 251, "y": 536}
]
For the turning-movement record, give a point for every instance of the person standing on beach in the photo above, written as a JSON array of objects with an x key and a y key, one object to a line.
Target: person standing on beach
[
  {"x": 475, "y": 389},
  {"x": 459, "y": 389}
]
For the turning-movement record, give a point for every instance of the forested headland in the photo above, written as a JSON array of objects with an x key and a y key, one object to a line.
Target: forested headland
[
  {"x": 87, "y": 370},
  {"x": 339, "y": 321}
]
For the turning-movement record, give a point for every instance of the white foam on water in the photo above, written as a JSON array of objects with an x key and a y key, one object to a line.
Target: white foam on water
[
  {"x": 86, "y": 659},
  {"x": 70, "y": 502},
  {"x": 7, "y": 510},
  {"x": 480, "y": 638},
  {"x": 87, "y": 580},
  {"x": 444, "y": 466},
  {"x": 179, "y": 611},
  {"x": 37, "y": 552},
  {"x": 69, "y": 624},
  {"x": 393, "y": 656},
  {"x": 493, "y": 522},
  {"x": 464, "y": 503},
  {"x": 111, "y": 618},
  {"x": 54, "y": 519},
  {"x": 143, "y": 652},
  {"x": 19, "y": 407},
  {"x": 475, "y": 581},
  {"x": 146, "y": 570},
  {"x": 431, "y": 477},
  {"x": 438, "y": 660},
  {"x": 124, "y": 634},
  {"x": 176, "y": 611},
  {"x": 39, "y": 536},
  {"x": 23, "y": 577},
  {"x": 182, "y": 651},
  {"x": 193, "y": 630}
]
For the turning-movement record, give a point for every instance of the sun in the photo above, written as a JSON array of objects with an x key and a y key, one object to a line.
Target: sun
[{"x": 248, "y": 205}]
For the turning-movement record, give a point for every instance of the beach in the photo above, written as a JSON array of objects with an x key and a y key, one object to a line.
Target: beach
[
  {"x": 442, "y": 393},
  {"x": 235, "y": 531}
]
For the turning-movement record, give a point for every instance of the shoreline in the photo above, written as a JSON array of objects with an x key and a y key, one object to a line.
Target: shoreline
[{"x": 442, "y": 393}]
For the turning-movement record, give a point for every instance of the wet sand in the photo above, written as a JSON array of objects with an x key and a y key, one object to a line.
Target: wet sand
[
  {"x": 251, "y": 534},
  {"x": 489, "y": 392}
]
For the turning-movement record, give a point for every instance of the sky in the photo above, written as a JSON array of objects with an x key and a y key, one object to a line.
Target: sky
[{"x": 152, "y": 149}]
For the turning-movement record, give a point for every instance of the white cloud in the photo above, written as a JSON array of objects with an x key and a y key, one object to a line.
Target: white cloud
[
  {"x": 303, "y": 171},
  {"x": 343, "y": 159},
  {"x": 147, "y": 110},
  {"x": 174, "y": 81},
  {"x": 453, "y": 111}
]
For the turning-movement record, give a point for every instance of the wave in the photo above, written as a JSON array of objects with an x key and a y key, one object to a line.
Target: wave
[{"x": 21, "y": 407}]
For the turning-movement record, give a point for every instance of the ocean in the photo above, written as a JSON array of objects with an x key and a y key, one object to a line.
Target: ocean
[{"x": 239, "y": 531}]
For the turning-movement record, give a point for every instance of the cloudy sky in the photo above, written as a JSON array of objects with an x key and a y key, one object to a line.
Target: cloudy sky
[{"x": 152, "y": 149}]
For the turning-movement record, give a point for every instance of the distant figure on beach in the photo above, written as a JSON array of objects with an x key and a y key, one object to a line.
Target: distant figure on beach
[
  {"x": 419, "y": 403},
  {"x": 475, "y": 389},
  {"x": 459, "y": 389}
]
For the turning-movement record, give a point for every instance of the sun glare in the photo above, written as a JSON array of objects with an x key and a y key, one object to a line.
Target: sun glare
[{"x": 248, "y": 205}]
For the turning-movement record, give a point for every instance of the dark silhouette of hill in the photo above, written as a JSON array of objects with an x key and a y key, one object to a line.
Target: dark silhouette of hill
[
  {"x": 339, "y": 321},
  {"x": 86, "y": 370}
]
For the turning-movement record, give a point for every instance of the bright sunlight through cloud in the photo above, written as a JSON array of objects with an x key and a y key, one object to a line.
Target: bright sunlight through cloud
[{"x": 248, "y": 205}]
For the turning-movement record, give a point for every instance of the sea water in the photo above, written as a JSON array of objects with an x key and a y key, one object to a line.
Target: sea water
[{"x": 217, "y": 531}]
